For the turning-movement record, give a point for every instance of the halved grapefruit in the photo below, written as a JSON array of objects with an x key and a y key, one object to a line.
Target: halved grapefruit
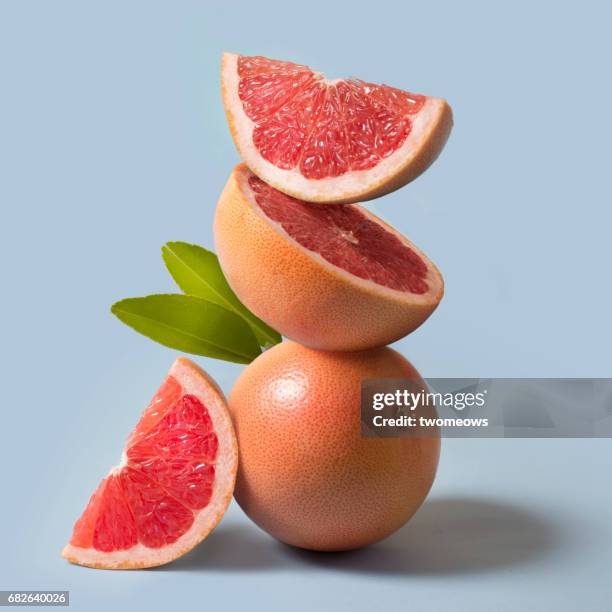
[
  {"x": 173, "y": 484},
  {"x": 328, "y": 277},
  {"x": 328, "y": 141}
]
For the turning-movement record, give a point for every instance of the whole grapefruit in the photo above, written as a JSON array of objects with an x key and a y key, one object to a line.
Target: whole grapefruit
[{"x": 306, "y": 474}]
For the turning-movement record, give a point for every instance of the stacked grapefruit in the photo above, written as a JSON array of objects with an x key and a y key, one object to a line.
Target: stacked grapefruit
[
  {"x": 340, "y": 284},
  {"x": 337, "y": 281}
]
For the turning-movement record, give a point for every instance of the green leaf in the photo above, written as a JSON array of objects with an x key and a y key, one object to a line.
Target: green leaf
[
  {"x": 190, "y": 324},
  {"x": 197, "y": 272}
]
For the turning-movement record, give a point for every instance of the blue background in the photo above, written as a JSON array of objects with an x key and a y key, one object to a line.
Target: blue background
[{"x": 113, "y": 141}]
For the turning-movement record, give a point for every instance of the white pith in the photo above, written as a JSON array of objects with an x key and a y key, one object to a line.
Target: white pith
[
  {"x": 192, "y": 382},
  {"x": 432, "y": 278},
  {"x": 352, "y": 182}
]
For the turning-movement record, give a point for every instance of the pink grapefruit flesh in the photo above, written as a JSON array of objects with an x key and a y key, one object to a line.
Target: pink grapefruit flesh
[
  {"x": 328, "y": 277},
  {"x": 173, "y": 484},
  {"x": 329, "y": 141},
  {"x": 345, "y": 237}
]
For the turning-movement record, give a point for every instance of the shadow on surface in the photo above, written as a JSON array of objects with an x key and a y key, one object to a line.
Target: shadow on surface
[
  {"x": 232, "y": 548},
  {"x": 451, "y": 536},
  {"x": 447, "y": 536}
]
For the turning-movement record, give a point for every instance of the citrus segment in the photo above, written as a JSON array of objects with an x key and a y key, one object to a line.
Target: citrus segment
[
  {"x": 162, "y": 401},
  {"x": 326, "y": 141},
  {"x": 172, "y": 485},
  {"x": 160, "y": 518},
  {"x": 115, "y": 527}
]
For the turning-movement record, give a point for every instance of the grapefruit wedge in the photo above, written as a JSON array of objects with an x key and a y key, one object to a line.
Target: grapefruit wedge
[
  {"x": 328, "y": 277},
  {"x": 173, "y": 484},
  {"x": 328, "y": 141}
]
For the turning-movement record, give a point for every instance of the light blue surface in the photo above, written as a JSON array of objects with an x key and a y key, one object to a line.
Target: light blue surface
[{"x": 113, "y": 141}]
